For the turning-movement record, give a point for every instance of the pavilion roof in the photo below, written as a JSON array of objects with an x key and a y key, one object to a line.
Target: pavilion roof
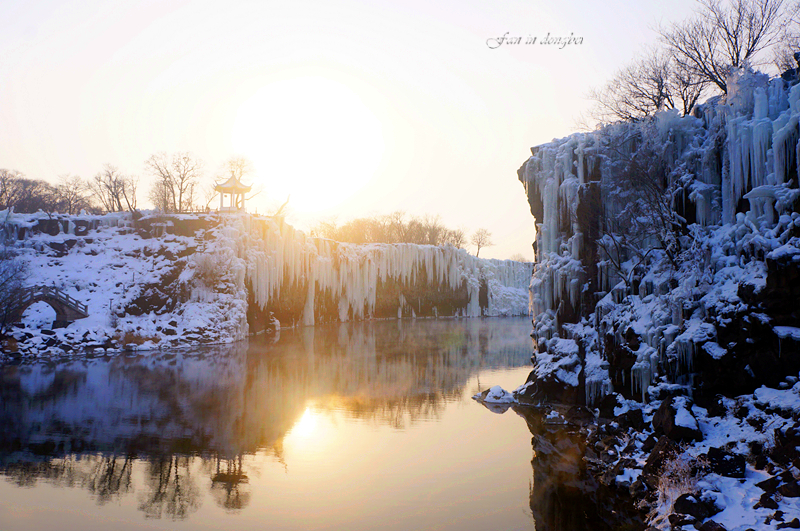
[{"x": 232, "y": 185}]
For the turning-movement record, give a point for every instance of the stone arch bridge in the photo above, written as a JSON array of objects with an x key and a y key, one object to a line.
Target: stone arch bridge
[{"x": 67, "y": 309}]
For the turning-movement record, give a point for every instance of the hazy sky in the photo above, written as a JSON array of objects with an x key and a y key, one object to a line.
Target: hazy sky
[{"x": 352, "y": 107}]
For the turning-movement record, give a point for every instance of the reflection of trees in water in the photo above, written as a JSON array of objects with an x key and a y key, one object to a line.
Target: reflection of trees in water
[
  {"x": 106, "y": 477},
  {"x": 110, "y": 478},
  {"x": 386, "y": 371},
  {"x": 170, "y": 488},
  {"x": 166, "y": 408},
  {"x": 229, "y": 484}
]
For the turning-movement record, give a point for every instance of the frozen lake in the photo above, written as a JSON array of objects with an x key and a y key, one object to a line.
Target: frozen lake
[{"x": 354, "y": 426}]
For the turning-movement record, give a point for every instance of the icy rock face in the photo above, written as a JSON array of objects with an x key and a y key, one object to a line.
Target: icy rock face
[
  {"x": 304, "y": 280},
  {"x": 660, "y": 244}
]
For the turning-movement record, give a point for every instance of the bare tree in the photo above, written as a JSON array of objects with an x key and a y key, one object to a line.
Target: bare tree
[
  {"x": 176, "y": 180},
  {"x": 481, "y": 238},
  {"x": 724, "y": 35},
  {"x": 115, "y": 191},
  {"x": 326, "y": 228},
  {"x": 455, "y": 237},
  {"x": 8, "y": 187},
  {"x": 13, "y": 273},
  {"x": 519, "y": 257},
  {"x": 639, "y": 192},
  {"x": 789, "y": 43},
  {"x": 649, "y": 84},
  {"x": 71, "y": 194},
  {"x": 238, "y": 167}
]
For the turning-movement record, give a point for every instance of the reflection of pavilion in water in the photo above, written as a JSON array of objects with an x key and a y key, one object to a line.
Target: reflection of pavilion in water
[{"x": 222, "y": 403}]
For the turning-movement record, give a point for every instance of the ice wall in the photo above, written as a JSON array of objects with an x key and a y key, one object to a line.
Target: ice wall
[
  {"x": 728, "y": 183},
  {"x": 307, "y": 280}
]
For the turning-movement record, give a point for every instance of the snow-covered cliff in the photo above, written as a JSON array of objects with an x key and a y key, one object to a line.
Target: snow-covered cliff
[
  {"x": 670, "y": 247},
  {"x": 158, "y": 281}
]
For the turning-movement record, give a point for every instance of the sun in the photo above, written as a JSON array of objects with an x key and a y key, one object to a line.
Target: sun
[{"x": 310, "y": 137}]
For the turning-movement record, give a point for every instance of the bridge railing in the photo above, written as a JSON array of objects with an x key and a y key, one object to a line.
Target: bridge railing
[{"x": 26, "y": 295}]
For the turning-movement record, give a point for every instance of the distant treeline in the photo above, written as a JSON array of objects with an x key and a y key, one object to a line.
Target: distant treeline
[
  {"x": 177, "y": 187},
  {"x": 392, "y": 228},
  {"x": 26, "y": 195}
]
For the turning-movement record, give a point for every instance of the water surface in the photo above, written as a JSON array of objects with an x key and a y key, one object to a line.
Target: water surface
[{"x": 353, "y": 426}]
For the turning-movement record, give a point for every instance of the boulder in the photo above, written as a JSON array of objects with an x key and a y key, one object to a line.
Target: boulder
[
  {"x": 607, "y": 404},
  {"x": 725, "y": 463},
  {"x": 675, "y": 419},
  {"x": 693, "y": 505},
  {"x": 790, "y": 490},
  {"x": 766, "y": 501},
  {"x": 711, "y": 525},
  {"x": 663, "y": 450},
  {"x": 631, "y": 419}
]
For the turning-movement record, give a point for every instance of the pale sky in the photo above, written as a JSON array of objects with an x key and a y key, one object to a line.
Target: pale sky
[{"x": 353, "y": 107}]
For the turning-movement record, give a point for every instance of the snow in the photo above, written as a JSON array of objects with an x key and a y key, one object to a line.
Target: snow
[
  {"x": 39, "y": 315},
  {"x": 496, "y": 395},
  {"x": 786, "y": 400},
  {"x": 683, "y": 417},
  {"x": 204, "y": 278},
  {"x": 784, "y": 332},
  {"x": 714, "y": 350},
  {"x": 560, "y": 360},
  {"x": 643, "y": 303},
  {"x": 628, "y": 476},
  {"x": 730, "y": 168}
]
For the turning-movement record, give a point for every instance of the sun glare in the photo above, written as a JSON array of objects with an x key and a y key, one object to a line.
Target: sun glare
[
  {"x": 304, "y": 427},
  {"x": 309, "y": 137}
]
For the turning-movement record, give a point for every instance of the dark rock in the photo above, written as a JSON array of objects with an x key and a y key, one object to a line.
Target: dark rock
[
  {"x": 631, "y": 419},
  {"x": 547, "y": 389},
  {"x": 790, "y": 490},
  {"x": 649, "y": 443},
  {"x": 766, "y": 501},
  {"x": 81, "y": 227},
  {"x": 769, "y": 485},
  {"x": 47, "y": 332},
  {"x": 607, "y": 405},
  {"x": 609, "y": 476},
  {"x": 716, "y": 407},
  {"x": 678, "y": 520},
  {"x": 62, "y": 248},
  {"x": 48, "y": 226},
  {"x": 725, "y": 463},
  {"x": 711, "y": 525},
  {"x": 792, "y": 524},
  {"x": 638, "y": 489},
  {"x": 665, "y": 420},
  {"x": 170, "y": 332},
  {"x": 692, "y": 505},
  {"x": 579, "y": 415},
  {"x": 663, "y": 450}
]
